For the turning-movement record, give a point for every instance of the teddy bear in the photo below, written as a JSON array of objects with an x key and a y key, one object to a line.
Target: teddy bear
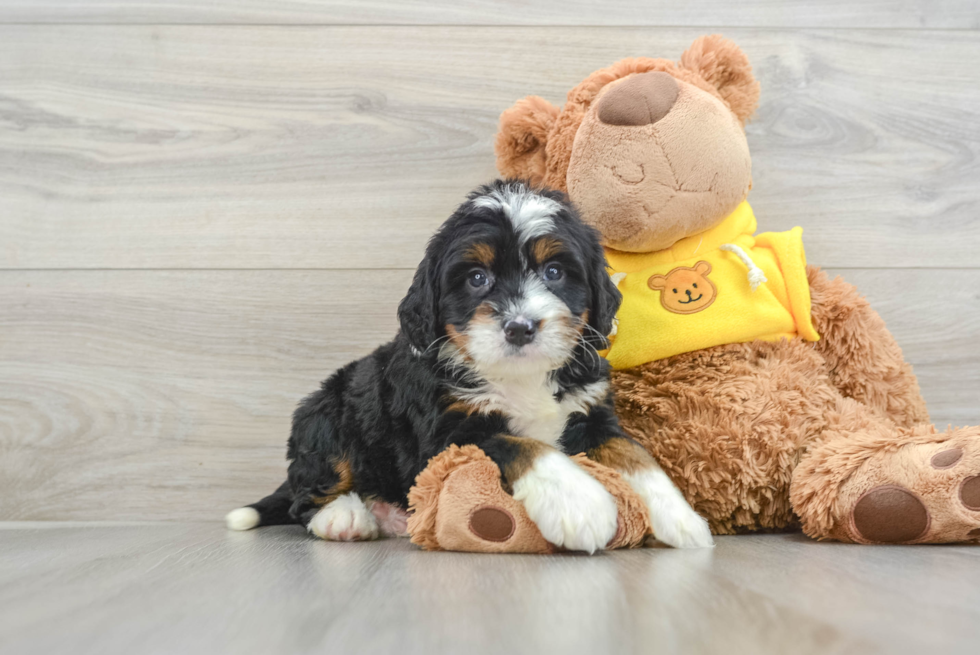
[{"x": 773, "y": 396}]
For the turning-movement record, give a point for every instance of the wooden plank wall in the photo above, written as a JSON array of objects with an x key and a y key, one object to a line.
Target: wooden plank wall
[{"x": 205, "y": 207}]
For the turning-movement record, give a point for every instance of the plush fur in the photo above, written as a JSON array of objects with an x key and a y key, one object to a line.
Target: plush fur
[
  {"x": 643, "y": 187},
  {"x": 832, "y": 436},
  {"x": 497, "y": 349}
]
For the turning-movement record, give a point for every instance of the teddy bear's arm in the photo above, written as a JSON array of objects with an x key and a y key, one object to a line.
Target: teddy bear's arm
[{"x": 863, "y": 359}]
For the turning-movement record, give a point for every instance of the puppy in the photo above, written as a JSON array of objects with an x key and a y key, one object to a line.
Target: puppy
[{"x": 497, "y": 348}]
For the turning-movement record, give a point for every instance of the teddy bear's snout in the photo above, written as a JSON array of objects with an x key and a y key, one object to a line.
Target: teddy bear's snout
[{"x": 641, "y": 99}]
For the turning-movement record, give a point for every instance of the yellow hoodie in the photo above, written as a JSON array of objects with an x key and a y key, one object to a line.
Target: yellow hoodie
[{"x": 718, "y": 287}]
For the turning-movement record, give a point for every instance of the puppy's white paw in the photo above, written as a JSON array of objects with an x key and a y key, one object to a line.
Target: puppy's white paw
[
  {"x": 569, "y": 506},
  {"x": 675, "y": 523},
  {"x": 344, "y": 519},
  {"x": 682, "y": 527}
]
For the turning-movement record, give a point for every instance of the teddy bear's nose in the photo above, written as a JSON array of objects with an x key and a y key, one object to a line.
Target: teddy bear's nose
[{"x": 641, "y": 99}]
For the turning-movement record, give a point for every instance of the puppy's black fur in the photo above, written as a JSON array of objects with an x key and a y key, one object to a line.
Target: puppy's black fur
[{"x": 374, "y": 424}]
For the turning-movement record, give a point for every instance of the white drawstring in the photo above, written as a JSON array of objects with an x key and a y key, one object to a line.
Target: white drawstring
[{"x": 756, "y": 276}]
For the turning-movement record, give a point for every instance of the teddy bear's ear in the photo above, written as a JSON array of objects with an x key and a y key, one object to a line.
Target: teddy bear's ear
[
  {"x": 523, "y": 135},
  {"x": 702, "y": 268},
  {"x": 722, "y": 64},
  {"x": 657, "y": 282}
]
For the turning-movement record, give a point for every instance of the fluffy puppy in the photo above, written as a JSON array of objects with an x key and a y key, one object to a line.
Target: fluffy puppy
[{"x": 497, "y": 348}]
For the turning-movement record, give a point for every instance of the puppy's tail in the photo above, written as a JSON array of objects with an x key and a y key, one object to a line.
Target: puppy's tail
[{"x": 271, "y": 510}]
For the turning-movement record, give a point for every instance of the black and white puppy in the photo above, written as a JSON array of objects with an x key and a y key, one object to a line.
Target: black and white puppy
[{"x": 497, "y": 348}]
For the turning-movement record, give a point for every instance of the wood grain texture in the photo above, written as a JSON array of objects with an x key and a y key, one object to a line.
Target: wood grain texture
[
  {"x": 195, "y": 588},
  {"x": 339, "y": 147},
  {"x": 135, "y": 394},
  {"x": 167, "y": 394},
  {"x": 953, "y": 14}
]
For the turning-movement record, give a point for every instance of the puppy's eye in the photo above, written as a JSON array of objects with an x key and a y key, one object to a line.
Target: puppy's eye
[
  {"x": 478, "y": 278},
  {"x": 553, "y": 272}
]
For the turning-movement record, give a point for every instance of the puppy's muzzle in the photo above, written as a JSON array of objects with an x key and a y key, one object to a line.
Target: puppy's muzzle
[{"x": 519, "y": 332}]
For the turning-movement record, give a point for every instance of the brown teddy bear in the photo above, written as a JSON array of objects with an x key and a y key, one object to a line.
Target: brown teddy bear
[{"x": 773, "y": 396}]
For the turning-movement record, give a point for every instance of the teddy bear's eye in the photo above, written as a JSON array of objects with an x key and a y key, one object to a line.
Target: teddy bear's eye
[
  {"x": 695, "y": 285},
  {"x": 675, "y": 290}
]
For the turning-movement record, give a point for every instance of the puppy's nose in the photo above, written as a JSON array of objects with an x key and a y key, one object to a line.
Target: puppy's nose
[
  {"x": 519, "y": 332},
  {"x": 642, "y": 99}
]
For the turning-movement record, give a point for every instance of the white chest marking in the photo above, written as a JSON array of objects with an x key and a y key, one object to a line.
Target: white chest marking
[{"x": 531, "y": 408}]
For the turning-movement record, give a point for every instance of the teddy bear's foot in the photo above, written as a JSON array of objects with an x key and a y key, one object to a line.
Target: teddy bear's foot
[
  {"x": 917, "y": 493},
  {"x": 459, "y": 504}
]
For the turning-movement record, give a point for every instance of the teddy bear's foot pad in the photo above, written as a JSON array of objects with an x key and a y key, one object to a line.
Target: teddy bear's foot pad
[
  {"x": 492, "y": 524},
  {"x": 890, "y": 515},
  {"x": 932, "y": 495}
]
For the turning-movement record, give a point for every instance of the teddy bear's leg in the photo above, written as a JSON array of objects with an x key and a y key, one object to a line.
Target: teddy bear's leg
[
  {"x": 863, "y": 360},
  {"x": 458, "y": 503},
  {"x": 870, "y": 481}
]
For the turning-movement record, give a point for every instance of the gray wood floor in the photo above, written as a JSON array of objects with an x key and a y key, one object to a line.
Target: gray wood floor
[{"x": 195, "y": 588}]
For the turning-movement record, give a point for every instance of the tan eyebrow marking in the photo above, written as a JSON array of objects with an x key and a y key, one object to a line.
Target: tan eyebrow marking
[
  {"x": 544, "y": 248},
  {"x": 481, "y": 253}
]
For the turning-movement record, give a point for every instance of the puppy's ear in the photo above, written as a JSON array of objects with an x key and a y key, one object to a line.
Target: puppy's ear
[
  {"x": 604, "y": 297},
  {"x": 522, "y": 137},
  {"x": 418, "y": 312},
  {"x": 723, "y": 65}
]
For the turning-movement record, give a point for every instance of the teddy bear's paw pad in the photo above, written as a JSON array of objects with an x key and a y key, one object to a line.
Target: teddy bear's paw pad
[
  {"x": 970, "y": 493},
  {"x": 492, "y": 524},
  {"x": 890, "y": 515},
  {"x": 571, "y": 508},
  {"x": 947, "y": 458},
  {"x": 345, "y": 519}
]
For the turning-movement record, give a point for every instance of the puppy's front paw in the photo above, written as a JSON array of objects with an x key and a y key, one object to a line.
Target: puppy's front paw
[
  {"x": 674, "y": 522},
  {"x": 682, "y": 527},
  {"x": 344, "y": 519},
  {"x": 570, "y": 507}
]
